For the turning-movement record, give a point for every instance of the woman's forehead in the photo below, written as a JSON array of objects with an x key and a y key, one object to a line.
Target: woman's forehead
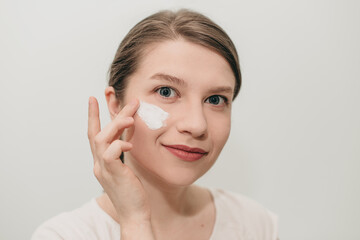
[{"x": 185, "y": 60}]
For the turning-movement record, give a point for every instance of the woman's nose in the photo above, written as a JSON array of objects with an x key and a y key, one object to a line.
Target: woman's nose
[{"x": 193, "y": 121}]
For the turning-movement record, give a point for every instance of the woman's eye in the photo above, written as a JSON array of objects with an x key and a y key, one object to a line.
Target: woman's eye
[
  {"x": 166, "y": 92},
  {"x": 216, "y": 100}
]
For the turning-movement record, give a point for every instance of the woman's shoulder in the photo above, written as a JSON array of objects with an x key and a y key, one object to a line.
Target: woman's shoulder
[
  {"x": 239, "y": 211},
  {"x": 231, "y": 199},
  {"x": 86, "y": 222}
]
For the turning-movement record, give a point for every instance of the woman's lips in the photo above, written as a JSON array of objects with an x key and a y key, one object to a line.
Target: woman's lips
[{"x": 186, "y": 153}]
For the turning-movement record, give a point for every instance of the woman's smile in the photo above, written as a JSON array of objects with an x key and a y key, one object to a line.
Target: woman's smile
[{"x": 186, "y": 153}]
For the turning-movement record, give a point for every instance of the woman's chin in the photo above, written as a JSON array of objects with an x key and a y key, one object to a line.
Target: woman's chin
[
  {"x": 164, "y": 173},
  {"x": 175, "y": 178}
]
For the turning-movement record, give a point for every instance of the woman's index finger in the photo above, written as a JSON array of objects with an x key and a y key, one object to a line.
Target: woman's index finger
[
  {"x": 93, "y": 118},
  {"x": 130, "y": 109}
]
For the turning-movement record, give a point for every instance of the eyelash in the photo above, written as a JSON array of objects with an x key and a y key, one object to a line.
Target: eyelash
[
  {"x": 225, "y": 99},
  {"x": 171, "y": 89},
  {"x": 222, "y": 97}
]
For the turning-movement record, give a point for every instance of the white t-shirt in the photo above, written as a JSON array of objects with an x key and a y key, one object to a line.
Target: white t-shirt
[{"x": 237, "y": 217}]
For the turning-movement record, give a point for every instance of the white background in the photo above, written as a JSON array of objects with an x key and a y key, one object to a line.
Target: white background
[{"x": 295, "y": 141}]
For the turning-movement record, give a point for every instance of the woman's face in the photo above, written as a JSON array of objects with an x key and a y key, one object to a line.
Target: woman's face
[{"x": 195, "y": 86}]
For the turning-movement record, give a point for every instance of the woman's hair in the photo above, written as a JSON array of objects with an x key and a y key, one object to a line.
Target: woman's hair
[{"x": 167, "y": 25}]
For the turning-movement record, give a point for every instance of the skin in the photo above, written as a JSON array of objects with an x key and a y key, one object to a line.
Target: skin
[{"x": 154, "y": 189}]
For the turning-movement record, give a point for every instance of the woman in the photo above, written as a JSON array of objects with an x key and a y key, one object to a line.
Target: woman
[{"x": 170, "y": 93}]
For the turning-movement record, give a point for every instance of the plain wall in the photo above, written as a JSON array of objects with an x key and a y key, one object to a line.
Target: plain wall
[{"x": 295, "y": 140}]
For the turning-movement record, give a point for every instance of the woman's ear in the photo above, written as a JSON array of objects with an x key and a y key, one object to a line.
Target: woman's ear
[{"x": 112, "y": 102}]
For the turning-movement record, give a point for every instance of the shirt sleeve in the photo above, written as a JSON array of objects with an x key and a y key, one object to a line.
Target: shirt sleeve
[
  {"x": 275, "y": 222},
  {"x": 45, "y": 232}
]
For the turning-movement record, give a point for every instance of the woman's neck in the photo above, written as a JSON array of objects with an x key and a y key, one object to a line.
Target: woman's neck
[
  {"x": 169, "y": 204},
  {"x": 167, "y": 208}
]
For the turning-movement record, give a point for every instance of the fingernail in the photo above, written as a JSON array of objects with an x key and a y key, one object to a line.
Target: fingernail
[
  {"x": 133, "y": 103},
  {"x": 91, "y": 100}
]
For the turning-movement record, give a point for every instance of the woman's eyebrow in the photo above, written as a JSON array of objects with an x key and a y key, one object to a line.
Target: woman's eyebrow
[
  {"x": 222, "y": 89},
  {"x": 169, "y": 78},
  {"x": 181, "y": 82}
]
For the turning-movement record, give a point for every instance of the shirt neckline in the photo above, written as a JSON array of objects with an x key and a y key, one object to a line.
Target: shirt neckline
[{"x": 217, "y": 212}]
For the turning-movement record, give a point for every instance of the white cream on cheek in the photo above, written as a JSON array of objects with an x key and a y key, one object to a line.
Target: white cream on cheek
[{"x": 152, "y": 115}]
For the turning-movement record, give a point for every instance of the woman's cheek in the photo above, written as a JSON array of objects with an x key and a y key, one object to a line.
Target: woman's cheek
[
  {"x": 149, "y": 117},
  {"x": 220, "y": 130}
]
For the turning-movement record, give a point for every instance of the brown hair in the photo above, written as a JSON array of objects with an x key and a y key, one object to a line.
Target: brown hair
[{"x": 168, "y": 25}]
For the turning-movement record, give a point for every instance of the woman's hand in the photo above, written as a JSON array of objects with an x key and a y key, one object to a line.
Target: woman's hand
[{"x": 119, "y": 182}]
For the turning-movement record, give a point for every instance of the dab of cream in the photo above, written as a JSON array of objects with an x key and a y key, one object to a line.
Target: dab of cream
[{"x": 152, "y": 115}]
